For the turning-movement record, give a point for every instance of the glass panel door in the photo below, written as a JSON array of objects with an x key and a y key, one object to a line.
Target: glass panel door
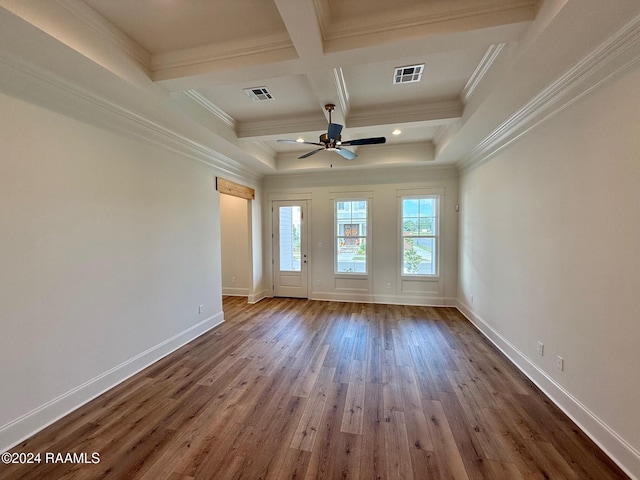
[
  {"x": 289, "y": 238},
  {"x": 290, "y": 249}
]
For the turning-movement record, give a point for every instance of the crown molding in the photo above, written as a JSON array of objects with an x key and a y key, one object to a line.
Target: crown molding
[
  {"x": 410, "y": 174},
  {"x": 279, "y": 126},
  {"x": 45, "y": 89},
  {"x": 422, "y": 147},
  {"x": 323, "y": 15},
  {"x": 274, "y": 47},
  {"x": 437, "y": 112},
  {"x": 413, "y": 153},
  {"x": 211, "y": 107},
  {"x": 615, "y": 55},
  {"x": 107, "y": 30},
  {"x": 487, "y": 61},
  {"x": 439, "y": 135},
  {"x": 335, "y": 30},
  {"x": 341, "y": 88},
  {"x": 265, "y": 148}
]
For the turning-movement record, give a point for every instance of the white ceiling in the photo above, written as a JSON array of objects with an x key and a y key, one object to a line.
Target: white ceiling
[
  {"x": 170, "y": 25},
  {"x": 312, "y": 52},
  {"x": 309, "y": 53}
]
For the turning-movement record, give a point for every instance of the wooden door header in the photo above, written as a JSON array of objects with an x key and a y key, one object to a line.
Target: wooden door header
[{"x": 235, "y": 189}]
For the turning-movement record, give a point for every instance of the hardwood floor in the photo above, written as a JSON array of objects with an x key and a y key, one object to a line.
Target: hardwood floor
[{"x": 303, "y": 389}]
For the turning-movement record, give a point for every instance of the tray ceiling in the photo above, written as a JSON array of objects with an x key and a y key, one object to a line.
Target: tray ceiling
[{"x": 307, "y": 53}]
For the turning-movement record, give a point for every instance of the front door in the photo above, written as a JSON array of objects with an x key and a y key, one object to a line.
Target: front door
[{"x": 290, "y": 249}]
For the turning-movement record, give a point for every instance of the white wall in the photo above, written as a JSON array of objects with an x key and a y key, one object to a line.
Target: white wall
[
  {"x": 258, "y": 280},
  {"x": 235, "y": 244},
  {"x": 549, "y": 251},
  {"x": 382, "y": 187},
  {"x": 108, "y": 246}
]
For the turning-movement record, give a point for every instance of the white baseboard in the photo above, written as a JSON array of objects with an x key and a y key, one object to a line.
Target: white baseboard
[
  {"x": 257, "y": 296},
  {"x": 341, "y": 297},
  {"x": 251, "y": 298},
  {"x": 235, "y": 292},
  {"x": 416, "y": 300},
  {"x": 32, "y": 422},
  {"x": 618, "y": 449}
]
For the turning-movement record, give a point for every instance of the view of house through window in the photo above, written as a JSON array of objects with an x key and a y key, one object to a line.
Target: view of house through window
[
  {"x": 290, "y": 238},
  {"x": 419, "y": 235},
  {"x": 351, "y": 236}
]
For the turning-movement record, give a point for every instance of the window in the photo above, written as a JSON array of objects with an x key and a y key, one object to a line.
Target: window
[
  {"x": 351, "y": 236},
  {"x": 419, "y": 235},
  {"x": 289, "y": 235}
]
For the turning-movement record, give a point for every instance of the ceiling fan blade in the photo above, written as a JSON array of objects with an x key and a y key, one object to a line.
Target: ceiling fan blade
[
  {"x": 348, "y": 154},
  {"x": 312, "y": 152},
  {"x": 333, "y": 132},
  {"x": 303, "y": 143},
  {"x": 365, "y": 141}
]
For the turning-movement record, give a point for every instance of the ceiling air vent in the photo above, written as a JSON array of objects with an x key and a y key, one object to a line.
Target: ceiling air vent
[
  {"x": 259, "y": 94},
  {"x": 408, "y": 74}
]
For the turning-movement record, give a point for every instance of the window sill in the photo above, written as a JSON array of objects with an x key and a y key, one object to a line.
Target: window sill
[{"x": 420, "y": 278}]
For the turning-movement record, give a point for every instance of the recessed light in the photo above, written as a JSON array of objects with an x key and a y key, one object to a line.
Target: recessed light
[
  {"x": 299, "y": 140},
  {"x": 397, "y": 131}
]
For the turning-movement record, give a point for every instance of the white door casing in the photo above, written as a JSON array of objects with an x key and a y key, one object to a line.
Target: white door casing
[{"x": 290, "y": 257}]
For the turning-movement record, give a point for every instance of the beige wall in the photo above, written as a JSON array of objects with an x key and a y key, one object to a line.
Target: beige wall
[
  {"x": 108, "y": 246},
  {"x": 549, "y": 251}
]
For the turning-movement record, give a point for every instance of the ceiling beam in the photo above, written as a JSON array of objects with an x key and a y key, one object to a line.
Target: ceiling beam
[
  {"x": 422, "y": 20},
  {"x": 281, "y": 127},
  {"x": 436, "y": 113},
  {"x": 323, "y": 85},
  {"x": 419, "y": 153},
  {"x": 299, "y": 17},
  {"x": 301, "y": 21},
  {"x": 238, "y": 70}
]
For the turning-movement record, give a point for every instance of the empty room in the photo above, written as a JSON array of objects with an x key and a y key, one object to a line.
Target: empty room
[{"x": 319, "y": 239}]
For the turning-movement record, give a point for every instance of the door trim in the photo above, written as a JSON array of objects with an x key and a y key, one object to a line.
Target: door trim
[{"x": 305, "y": 204}]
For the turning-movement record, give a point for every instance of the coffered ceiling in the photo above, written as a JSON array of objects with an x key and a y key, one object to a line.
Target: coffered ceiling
[{"x": 204, "y": 54}]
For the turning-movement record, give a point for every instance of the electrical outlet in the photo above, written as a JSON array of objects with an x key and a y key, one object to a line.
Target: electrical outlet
[
  {"x": 200, "y": 308},
  {"x": 560, "y": 363},
  {"x": 388, "y": 284},
  {"x": 540, "y": 349}
]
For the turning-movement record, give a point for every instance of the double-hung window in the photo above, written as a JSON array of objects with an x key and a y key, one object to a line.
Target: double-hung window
[
  {"x": 351, "y": 236},
  {"x": 419, "y": 235}
]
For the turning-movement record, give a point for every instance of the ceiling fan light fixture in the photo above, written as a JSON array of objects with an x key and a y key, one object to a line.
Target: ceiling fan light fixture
[
  {"x": 332, "y": 140},
  {"x": 408, "y": 74}
]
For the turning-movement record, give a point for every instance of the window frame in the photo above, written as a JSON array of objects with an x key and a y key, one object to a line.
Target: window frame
[
  {"x": 336, "y": 232},
  {"x": 437, "y": 196}
]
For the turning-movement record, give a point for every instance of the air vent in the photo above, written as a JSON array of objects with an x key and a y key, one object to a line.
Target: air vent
[
  {"x": 259, "y": 94},
  {"x": 408, "y": 74}
]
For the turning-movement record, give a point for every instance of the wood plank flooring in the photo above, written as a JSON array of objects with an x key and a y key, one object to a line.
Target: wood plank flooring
[{"x": 298, "y": 389}]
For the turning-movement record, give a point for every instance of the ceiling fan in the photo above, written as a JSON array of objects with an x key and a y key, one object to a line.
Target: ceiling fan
[{"x": 332, "y": 141}]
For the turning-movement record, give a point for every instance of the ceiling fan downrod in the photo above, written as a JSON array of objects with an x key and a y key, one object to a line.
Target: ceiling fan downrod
[{"x": 329, "y": 107}]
